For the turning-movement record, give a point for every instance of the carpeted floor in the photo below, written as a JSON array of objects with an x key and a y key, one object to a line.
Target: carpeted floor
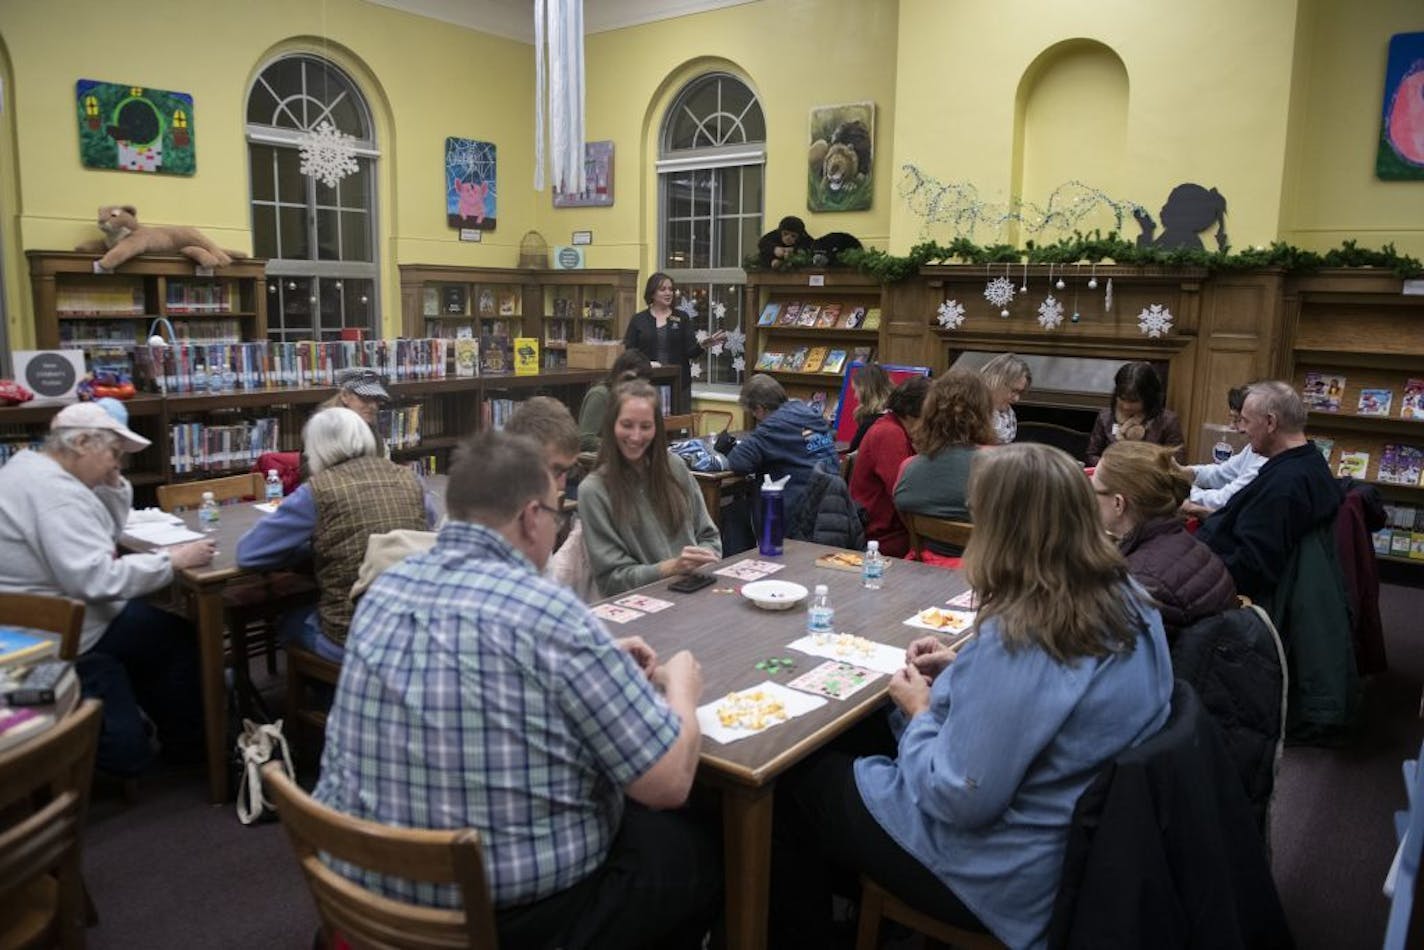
[{"x": 172, "y": 871}]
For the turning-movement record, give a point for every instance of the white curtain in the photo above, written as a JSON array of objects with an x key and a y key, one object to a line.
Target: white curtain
[{"x": 558, "y": 56}]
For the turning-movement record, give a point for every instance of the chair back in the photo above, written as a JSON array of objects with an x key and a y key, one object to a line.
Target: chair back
[
  {"x": 943, "y": 530},
  {"x": 364, "y": 917},
  {"x": 61, "y": 615},
  {"x": 1072, "y": 441},
  {"x": 682, "y": 426},
  {"x": 1406, "y": 908},
  {"x": 181, "y": 495},
  {"x": 44, "y": 788}
]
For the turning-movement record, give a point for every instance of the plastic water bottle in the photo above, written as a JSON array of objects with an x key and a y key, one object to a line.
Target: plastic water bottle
[
  {"x": 274, "y": 487},
  {"x": 821, "y": 616},
  {"x": 208, "y": 515},
  {"x": 872, "y": 566},
  {"x": 200, "y": 378}
]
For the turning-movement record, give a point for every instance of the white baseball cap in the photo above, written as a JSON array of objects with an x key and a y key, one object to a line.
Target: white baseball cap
[{"x": 87, "y": 415}]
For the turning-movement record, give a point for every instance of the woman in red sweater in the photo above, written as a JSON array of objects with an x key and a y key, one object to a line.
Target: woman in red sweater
[{"x": 884, "y": 449}]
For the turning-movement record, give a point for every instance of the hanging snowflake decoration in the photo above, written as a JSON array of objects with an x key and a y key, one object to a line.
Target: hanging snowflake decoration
[
  {"x": 719, "y": 310},
  {"x": 694, "y": 370},
  {"x": 739, "y": 364},
  {"x": 1155, "y": 321},
  {"x": 328, "y": 155},
  {"x": 951, "y": 314},
  {"x": 701, "y": 336},
  {"x": 999, "y": 292},
  {"x": 1050, "y": 313},
  {"x": 687, "y": 306},
  {"x": 736, "y": 341}
]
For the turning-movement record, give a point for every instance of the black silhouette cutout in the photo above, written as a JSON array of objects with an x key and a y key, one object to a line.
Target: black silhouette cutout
[{"x": 1190, "y": 209}]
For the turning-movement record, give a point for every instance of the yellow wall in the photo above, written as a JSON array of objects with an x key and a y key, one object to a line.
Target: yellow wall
[
  {"x": 1208, "y": 89},
  {"x": 1331, "y": 192},
  {"x": 424, "y": 81}
]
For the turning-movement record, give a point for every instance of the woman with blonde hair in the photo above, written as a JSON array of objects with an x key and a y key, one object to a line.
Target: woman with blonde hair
[
  {"x": 1008, "y": 378},
  {"x": 1140, "y": 488},
  {"x": 643, "y": 514},
  {"x": 872, "y": 388},
  {"x": 954, "y": 425},
  {"x": 968, "y": 821}
]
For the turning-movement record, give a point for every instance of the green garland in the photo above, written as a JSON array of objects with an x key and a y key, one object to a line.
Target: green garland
[{"x": 889, "y": 268}]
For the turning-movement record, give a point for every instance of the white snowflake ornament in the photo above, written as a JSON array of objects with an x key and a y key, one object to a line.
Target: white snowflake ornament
[
  {"x": 739, "y": 364},
  {"x": 328, "y": 155},
  {"x": 719, "y": 309},
  {"x": 1155, "y": 321},
  {"x": 951, "y": 314},
  {"x": 999, "y": 292},
  {"x": 694, "y": 370},
  {"x": 688, "y": 306},
  {"x": 736, "y": 341},
  {"x": 701, "y": 336},
  {"x": 1050, "y": 313}
]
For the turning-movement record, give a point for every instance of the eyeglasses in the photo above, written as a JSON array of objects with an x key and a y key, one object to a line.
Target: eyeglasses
[
  {"x": 559, "y": 471},
  {"x": 557, "y": 513}
]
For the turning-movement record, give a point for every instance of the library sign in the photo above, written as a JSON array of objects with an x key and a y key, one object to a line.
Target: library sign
[{"x": 52, "y": 375}]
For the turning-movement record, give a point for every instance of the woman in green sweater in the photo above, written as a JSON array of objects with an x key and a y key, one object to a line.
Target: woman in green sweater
[
  {"x": 630, "y": 364},
  {"x": 643, "y": 515}
]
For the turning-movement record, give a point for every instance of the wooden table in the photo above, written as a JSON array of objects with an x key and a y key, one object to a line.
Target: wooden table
[{"x": 729, "y": 635}]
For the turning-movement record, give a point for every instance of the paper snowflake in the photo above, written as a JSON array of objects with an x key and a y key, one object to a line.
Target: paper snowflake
[
  {"x": 1050, "y": 313},
  {"x": 951, "y": 314},
  {"x": 739, "y": 364},
  {"x": 999, "y": 292},
  {"x": 694, "y": 370},
  {"x": 1155, "y": 321},
  {"x": 701, "y": 336},
  {"x": 688, "y": 306},
  {"x": 719, "y": 309},
  {"x": 328, "y": 155},
  {"x": 736, "y": 341}
]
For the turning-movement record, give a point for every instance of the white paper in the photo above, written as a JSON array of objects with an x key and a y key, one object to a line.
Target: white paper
[
  {"x": 139, "y": 516},
  {"x": 796, "y": 704},
  {"x": 962, "y": 622},
  {"x": 163, "y": 534},
  {"x": 880, "y": 657},
  {"x": 267, "y": 506}
]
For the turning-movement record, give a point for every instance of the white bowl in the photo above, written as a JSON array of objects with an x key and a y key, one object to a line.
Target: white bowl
[{"x": 774, "y": 595}]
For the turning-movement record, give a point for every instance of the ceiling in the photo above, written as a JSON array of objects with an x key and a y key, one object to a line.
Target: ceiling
[{"x": 515, "y": 18}]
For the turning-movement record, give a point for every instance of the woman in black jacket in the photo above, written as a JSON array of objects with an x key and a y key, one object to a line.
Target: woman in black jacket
[{"x": 665, "y": 336}]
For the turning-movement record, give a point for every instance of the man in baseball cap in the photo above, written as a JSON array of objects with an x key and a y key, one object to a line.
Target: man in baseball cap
[
  {"x": 362, "y": 391},
  {"x": 89, "y": 415}
]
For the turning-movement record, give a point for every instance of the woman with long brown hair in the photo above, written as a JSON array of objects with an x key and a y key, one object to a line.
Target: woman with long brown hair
[
  {"x": 643, "y": 515},
  {"x": 968, "y": 821}
]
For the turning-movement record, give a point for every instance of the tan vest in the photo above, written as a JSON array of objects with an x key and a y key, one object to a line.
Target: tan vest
[{"x": 354, "y": 500}]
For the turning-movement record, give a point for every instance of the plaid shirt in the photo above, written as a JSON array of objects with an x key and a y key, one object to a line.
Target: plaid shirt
[{"x": 477, "y": 694}]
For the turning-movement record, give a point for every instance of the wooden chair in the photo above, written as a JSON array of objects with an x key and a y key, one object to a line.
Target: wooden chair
[
  {"x": 695, "y": 424},
  {"x": 876, "y": 902},
  {"x": 368, "y": 919},
  {"x": 307, "y": 706},
  {"x": 61, "y": 615},
  {"x": 183, "y": 495},
  {"x": 920, "y": 527},
  {"x": 1072, "y": 441},
  {"x": 44, "y": 786},
  {"x": 680, "y": 427}
]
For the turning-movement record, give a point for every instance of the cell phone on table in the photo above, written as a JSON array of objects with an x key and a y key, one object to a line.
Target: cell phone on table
[{"x": 688, "y": 583}]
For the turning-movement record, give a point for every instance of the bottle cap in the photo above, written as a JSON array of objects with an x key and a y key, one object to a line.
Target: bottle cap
[
  {"x": 822, "y": 589},
  {"x": 207, "y": 496},
  {"x": 872, "y": 545},
  {"x": 271, "y": 473}
]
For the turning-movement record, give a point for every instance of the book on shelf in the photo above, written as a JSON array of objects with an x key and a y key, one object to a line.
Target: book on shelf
[
  {"x": 810, "y": 312},
  {"x": 852, "y": 318},
  {"x": 496, "y": 354},
  {"x": 1375, "y": 402},
  {"x": 1412, "y": 406},
  {"x": 200, "y": 447},
  {"x": 1381, "y": 539},
  {"x": 193, "y": 297},
  {"x": 769, "y": 314},
  {"x": 485, "y": 305},
  {"x": 830, "y": 316},
  {"x": 818, "y": 401},
  {"x": 400, "y": 427},
  {"x": 430, "y": 302},
  {"x": 1326, "y": 447},
  {"x": 563, "y": 308},
  {"x": 453, "y": 300},
  {"x": 768, "y": 360},
  {"x": 862, "y": 354},
  {"x": 1353, "y": 464},
  {"x": 790, "y": 314},
  {"x": 1416, "y": 546},
  {"x": 1399, "y": 544},
  {"x": 508, "y": 303},
  {"x": 526, "y": 356},
  {"x": 815, "y": 358},
  {"x": 834, "y": 361},
  {"x": 1322, "y": 391},
  {"x": 1400, "y": 465},
  {"x": 23, "y": 646},
  {"x": 467, "y": 355},
  {"x": 796, "y": 360},
  {"x": 117, "y": 296},
  {"x": 872, "y": 319}
]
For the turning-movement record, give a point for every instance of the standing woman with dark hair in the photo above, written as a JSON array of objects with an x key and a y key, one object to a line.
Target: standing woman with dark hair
[
  {"x": 872, "y": 386},
  {"x": 967, "y": 820},
  {"x": 664, "y": 335},
  {"x": 1137, "y": 413},
  {"x": 877, "y": 466},
  {"x": 643, "y": 514}
]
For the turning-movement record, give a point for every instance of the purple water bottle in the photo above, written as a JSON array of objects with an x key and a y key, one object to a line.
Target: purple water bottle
[{"x": 773, "y": 522}]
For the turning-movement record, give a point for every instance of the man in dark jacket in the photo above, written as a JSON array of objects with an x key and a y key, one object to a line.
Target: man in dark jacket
[
  {"x": 1293, "y": 494},
  {"x": 790, "y": 438}
]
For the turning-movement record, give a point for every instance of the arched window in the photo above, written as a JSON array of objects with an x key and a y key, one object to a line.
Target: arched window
[
  {"x": 319, "y": 242},
  {"x": 711, "y": 163}
]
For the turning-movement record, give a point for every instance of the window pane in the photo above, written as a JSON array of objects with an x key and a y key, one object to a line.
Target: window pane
[
  {"x": 291, "y": 183},
  {"x": 326, "y": 236},
  {"x": 727, "y": 190},
  {"x": 261, "y": 104},
  {"x": 679, "y": 195},
  {"x": 729, "y": 234},
  {"x": 701, "y": 243},
  {"x": 332, "y": 318},
  {"x": 679, "y": 244},
  {"x": 355, "y": 188},
  {"x": 293, "y": 225},
  {"x": 355, "y": 233},
  {"x": 264, "y": 183},
  {"x": 346, "y": 116},
  {"x": 751, "y": 188},
  {"x": 264, "y": 231},
  {"x": 297, "y": 308},
  {"x": 751, "y": 233},
  {"x": 358, "y": 294}
]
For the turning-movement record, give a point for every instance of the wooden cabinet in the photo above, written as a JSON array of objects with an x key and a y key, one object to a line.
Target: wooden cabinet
[
  {"x": 1356, "y": 353},
  {"x": 555, "y": 306}
]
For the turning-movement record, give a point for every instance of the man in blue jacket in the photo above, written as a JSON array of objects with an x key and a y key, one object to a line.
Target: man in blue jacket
[{"x": 790, "y": 438}]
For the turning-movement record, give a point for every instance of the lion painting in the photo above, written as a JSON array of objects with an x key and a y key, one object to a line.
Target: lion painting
[{"x": 840, "y": 158}]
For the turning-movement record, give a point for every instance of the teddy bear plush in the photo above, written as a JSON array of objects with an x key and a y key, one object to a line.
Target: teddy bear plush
[{"x": 125, "y": 238}]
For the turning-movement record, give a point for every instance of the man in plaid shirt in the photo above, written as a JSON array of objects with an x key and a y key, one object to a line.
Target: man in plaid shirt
[{"x": 475, "y": 693}]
